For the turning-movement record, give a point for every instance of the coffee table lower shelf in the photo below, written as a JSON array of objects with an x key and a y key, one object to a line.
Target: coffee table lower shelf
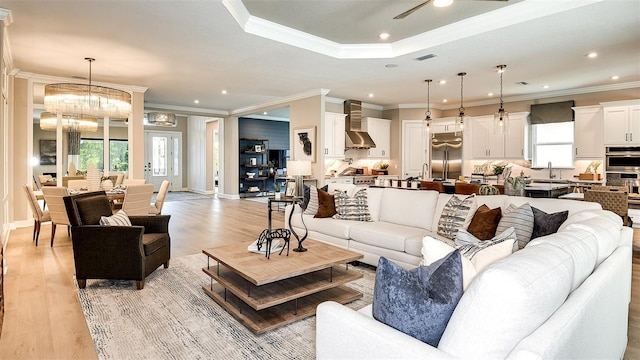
[{"x": 279, "y": 315}]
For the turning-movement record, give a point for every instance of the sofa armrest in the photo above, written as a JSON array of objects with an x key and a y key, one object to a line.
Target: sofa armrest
[
  {"x": 342, "y": 333},
  {"x": 153, "y": 224}
]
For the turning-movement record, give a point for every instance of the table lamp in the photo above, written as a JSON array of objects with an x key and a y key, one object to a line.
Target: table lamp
[{"x": 298, "y": 169}]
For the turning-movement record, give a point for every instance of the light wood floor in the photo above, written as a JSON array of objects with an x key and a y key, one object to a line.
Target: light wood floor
[{"x": 43, "y": 318}]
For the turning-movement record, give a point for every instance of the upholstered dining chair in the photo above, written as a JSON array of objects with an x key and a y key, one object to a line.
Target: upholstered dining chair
[
  {"x": 39, "y": 215},
  {"x": 156, "y": 208},
  {"x": 128, "y": 182},
  {"x": 119, "y": 179},
  {"x": 613, "y": 200},
  {"x": 78, "y": 184},
  {"x": 117, "y": 252},
  {"x": 53, "y": 196},
  {"x": 464, "y": 188},
  {"x": 432, "y": 185},
  {"x": 137, "y": 199}
]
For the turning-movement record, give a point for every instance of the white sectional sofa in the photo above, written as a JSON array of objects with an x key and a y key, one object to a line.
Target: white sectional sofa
[{"x": 564, "y": 296}]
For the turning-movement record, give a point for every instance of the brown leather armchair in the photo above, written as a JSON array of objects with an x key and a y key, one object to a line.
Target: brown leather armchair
[{"x": 115, "y": 252}]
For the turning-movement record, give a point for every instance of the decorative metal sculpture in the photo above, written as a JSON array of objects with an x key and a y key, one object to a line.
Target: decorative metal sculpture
[{"x": 267, "y": 236}]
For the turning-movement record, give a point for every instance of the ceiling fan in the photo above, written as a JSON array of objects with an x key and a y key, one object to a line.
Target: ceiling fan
[{"x": 413, "y": 9}]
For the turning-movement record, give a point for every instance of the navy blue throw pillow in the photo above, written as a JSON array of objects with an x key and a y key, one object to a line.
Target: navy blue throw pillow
[
  {"x": 546, "y": 224},
  {"x": 418, "y": 302}
]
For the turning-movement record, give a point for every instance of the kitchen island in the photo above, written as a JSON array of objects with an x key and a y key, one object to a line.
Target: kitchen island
[{"x": 546, "y": 190}]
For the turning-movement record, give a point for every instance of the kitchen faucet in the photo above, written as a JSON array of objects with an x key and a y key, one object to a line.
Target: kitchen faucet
[
  {"x": 551, "y": 176},
  {"x": 425, "y": 171}
]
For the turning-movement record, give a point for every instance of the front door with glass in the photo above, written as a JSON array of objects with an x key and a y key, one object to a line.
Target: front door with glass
[{"x": 163, "y": 158}]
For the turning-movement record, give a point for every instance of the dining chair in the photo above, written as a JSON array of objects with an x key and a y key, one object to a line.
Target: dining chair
[
  {"x": 78, "y": 184},
  {"x": 137, "y": 199},
  {"x": 119, "y": 179},
  {"x": 43, "y": 179},
  {"x": 156, "y": 208},
  {"x": 128, "y": 182},
  {"x": 614, "y": 201},
  {"x": 53, "y": 196},
  {"x": 39, "y": 215}
]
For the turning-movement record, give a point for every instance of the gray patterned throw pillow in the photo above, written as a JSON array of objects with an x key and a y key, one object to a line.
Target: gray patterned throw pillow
[
  {"x": 521, "y": 218},
  {"x": 352, "y": 207},
  {"x": 456, "y": 214}
]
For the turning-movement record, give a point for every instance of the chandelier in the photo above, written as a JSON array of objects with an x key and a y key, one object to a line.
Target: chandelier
[
  {"x": 161, "y": 119},
  {"x": 87, "y": 100},
  {"x": 70, "y": 123},
  {"x": 501, "y": 118},
  {"x": 461, "y": 115}
]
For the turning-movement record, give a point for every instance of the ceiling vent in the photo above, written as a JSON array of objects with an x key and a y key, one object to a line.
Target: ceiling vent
[{"x": 425, "y": 57}]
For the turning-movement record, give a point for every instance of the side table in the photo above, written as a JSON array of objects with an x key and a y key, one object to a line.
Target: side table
[{"x": 283, "y": 200}]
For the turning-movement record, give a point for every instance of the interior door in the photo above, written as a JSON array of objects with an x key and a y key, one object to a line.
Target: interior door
[
  {"x": 163, "y": 159},
  {"x": 414, "y": 152}
]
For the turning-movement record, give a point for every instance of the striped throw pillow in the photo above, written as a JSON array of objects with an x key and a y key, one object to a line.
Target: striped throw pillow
[
  {"x": 456, "y": 214},
  {"x": 118, "y": 219},
  {"x": 312, "y": 205},
  {"x": 353, "y": 207},
  {"x": 521, "y": 218}
]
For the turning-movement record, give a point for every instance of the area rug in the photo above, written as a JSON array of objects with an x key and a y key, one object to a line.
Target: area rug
[{"x": 172, "y": 318}]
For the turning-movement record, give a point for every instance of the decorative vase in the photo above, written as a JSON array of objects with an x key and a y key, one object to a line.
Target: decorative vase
[
  {"x": 106, "y": 185},
  {"x": 278, "y": 195},
  {"x": 93, "y": 177}
]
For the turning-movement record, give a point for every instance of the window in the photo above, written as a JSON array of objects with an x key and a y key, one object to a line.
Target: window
[
  {"x": 92, "y": 151},
  {"x": 553, "y": 143}
]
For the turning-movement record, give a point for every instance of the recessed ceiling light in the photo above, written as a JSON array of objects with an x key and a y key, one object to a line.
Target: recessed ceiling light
[
  {"x": 545, "y": 86},
  {"x": 615, "y": 77},
  {"x": 383, "y": 36},
  {"x": 264, "y": 113},
  {"x": 391, "y": 66},
  {"x": 592, "y": 55},
  {"x": 442, "y": 3},
  {"x": 224, "y": 92},
  {"x": 490, "y": 94},
  {"x": 196, "y": 101},
  {"x": 370, "y": 94},
  {"x": 442, "y": 82},
  {"x": 444, "y": 100}
]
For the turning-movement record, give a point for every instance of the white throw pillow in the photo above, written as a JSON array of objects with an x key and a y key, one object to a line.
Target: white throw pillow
[
  {"x": 312, "y": 206},
  {"x": 475, "y": 257},
  {"x": 118, "y": 219}
]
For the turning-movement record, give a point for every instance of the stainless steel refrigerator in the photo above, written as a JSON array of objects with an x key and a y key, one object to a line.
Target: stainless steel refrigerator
[{"x": 446, "y": 156}]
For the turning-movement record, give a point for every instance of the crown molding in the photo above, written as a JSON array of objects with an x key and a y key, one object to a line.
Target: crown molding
[
  {"x": 185, "y": 110},
  {"x": 48, "y": 79},
  {"x": 509, "y": 15},
  {"x": 525, "y": 97},
  {"x": 280, "y": 101},
  {"x": 365, "y": 105},
  {"x": 265, "y": 117}
]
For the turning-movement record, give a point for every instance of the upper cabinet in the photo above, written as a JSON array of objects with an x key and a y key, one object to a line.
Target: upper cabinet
[
  {"x": 445, "y": 125},
  {"x": 334, "y": 135},
  {"x": 488, "y": 143},
  {"x": 380, "y": 132},
  {"x": 588, "y": 138},
  {"x": 621, "y": 123}
]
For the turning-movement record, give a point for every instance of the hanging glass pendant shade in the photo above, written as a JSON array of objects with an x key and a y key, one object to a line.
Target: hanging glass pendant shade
[
  {"x": 501, "y": 117},
  {"x": 49, "y": 122},
  {"x": 86, "y": 99},
  {"x": 427, "y": 115},
  {"x": 460, "y": 120},
  {"x": 161, "y": 119}
]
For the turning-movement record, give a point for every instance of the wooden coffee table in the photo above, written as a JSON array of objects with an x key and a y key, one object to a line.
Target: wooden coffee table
[{"x": 264, "y": 294}]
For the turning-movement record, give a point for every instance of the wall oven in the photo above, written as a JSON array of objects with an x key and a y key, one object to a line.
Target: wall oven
[{"x": 623, "y": 159}]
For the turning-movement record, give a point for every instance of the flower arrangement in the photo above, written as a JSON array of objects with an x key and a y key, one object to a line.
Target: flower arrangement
[
  {"x": 498, "y": 169},
  {"x": 384, "y": 165}
]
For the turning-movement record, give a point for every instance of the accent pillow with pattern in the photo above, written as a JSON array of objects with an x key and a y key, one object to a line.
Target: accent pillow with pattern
[
  {"x": 521, "y": 218},
  {"x": 118, "y": 219},
  {"x": 353, "y": 207},
  {"x": 456, "y": 214}
]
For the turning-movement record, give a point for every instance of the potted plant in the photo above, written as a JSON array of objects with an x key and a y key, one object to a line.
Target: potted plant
[
  {"x": 277, "y": 188},
  {"x": 514, "y": 186}
]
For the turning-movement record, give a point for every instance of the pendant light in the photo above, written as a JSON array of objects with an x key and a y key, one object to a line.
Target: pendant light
[
  {"x": 501, "y": 118},
  {"x": 87, "y": 100},
  {"x": 427, "y": 118},
  {"x": 461, "y": 116}
]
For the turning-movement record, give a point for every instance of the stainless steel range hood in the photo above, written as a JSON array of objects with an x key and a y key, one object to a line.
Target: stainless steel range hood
[{"x": 356, "y": 138}]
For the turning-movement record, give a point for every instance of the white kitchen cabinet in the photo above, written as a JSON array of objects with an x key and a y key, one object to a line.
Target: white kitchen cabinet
[
  {"x": 621, "y": 124},
  {"x": 488, "y": 143},
  {"x": 485, "y": 142},
  {"x": 380, "y": 132},
  {"x": 588, "y": 139},
  {"x": 445, "y": 125},
  {"x": 334, "y": 135}
]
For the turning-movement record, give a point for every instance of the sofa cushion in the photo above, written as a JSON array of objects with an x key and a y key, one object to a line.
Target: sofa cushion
[
  {"x": 520, "y": 218},
  {"x": 326, "y": 205},
  {"x": 484, "y": 222},
  {"x": 153, "y": 242},
  {"x": 374, "y": 198},
  {"x": 118, "y": 219},
  {"x": 507, "y": 301},
  {"x": 475, "y": 257},
  {"x": 605, "y": 231},
  {"x": 385, "y": 235},
  {"x": 418, "y": 302},
  {"x": 353, "y": 207},
  {"x": 545, "y": 224},
  {"x": 410, "y": 208},
  {"x": 456, "y": 214},
  {"x": 329, "y": 226}
]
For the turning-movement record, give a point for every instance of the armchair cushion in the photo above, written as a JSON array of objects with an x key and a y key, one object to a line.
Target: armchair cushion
[
  {"x": 118, "y": 219},
  {"x": 92, "y": 208},
  {"x": 153, "y": 242}
]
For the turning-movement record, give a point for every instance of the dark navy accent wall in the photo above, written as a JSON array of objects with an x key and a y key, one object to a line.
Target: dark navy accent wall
[{"x": 277, "y": 132}]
